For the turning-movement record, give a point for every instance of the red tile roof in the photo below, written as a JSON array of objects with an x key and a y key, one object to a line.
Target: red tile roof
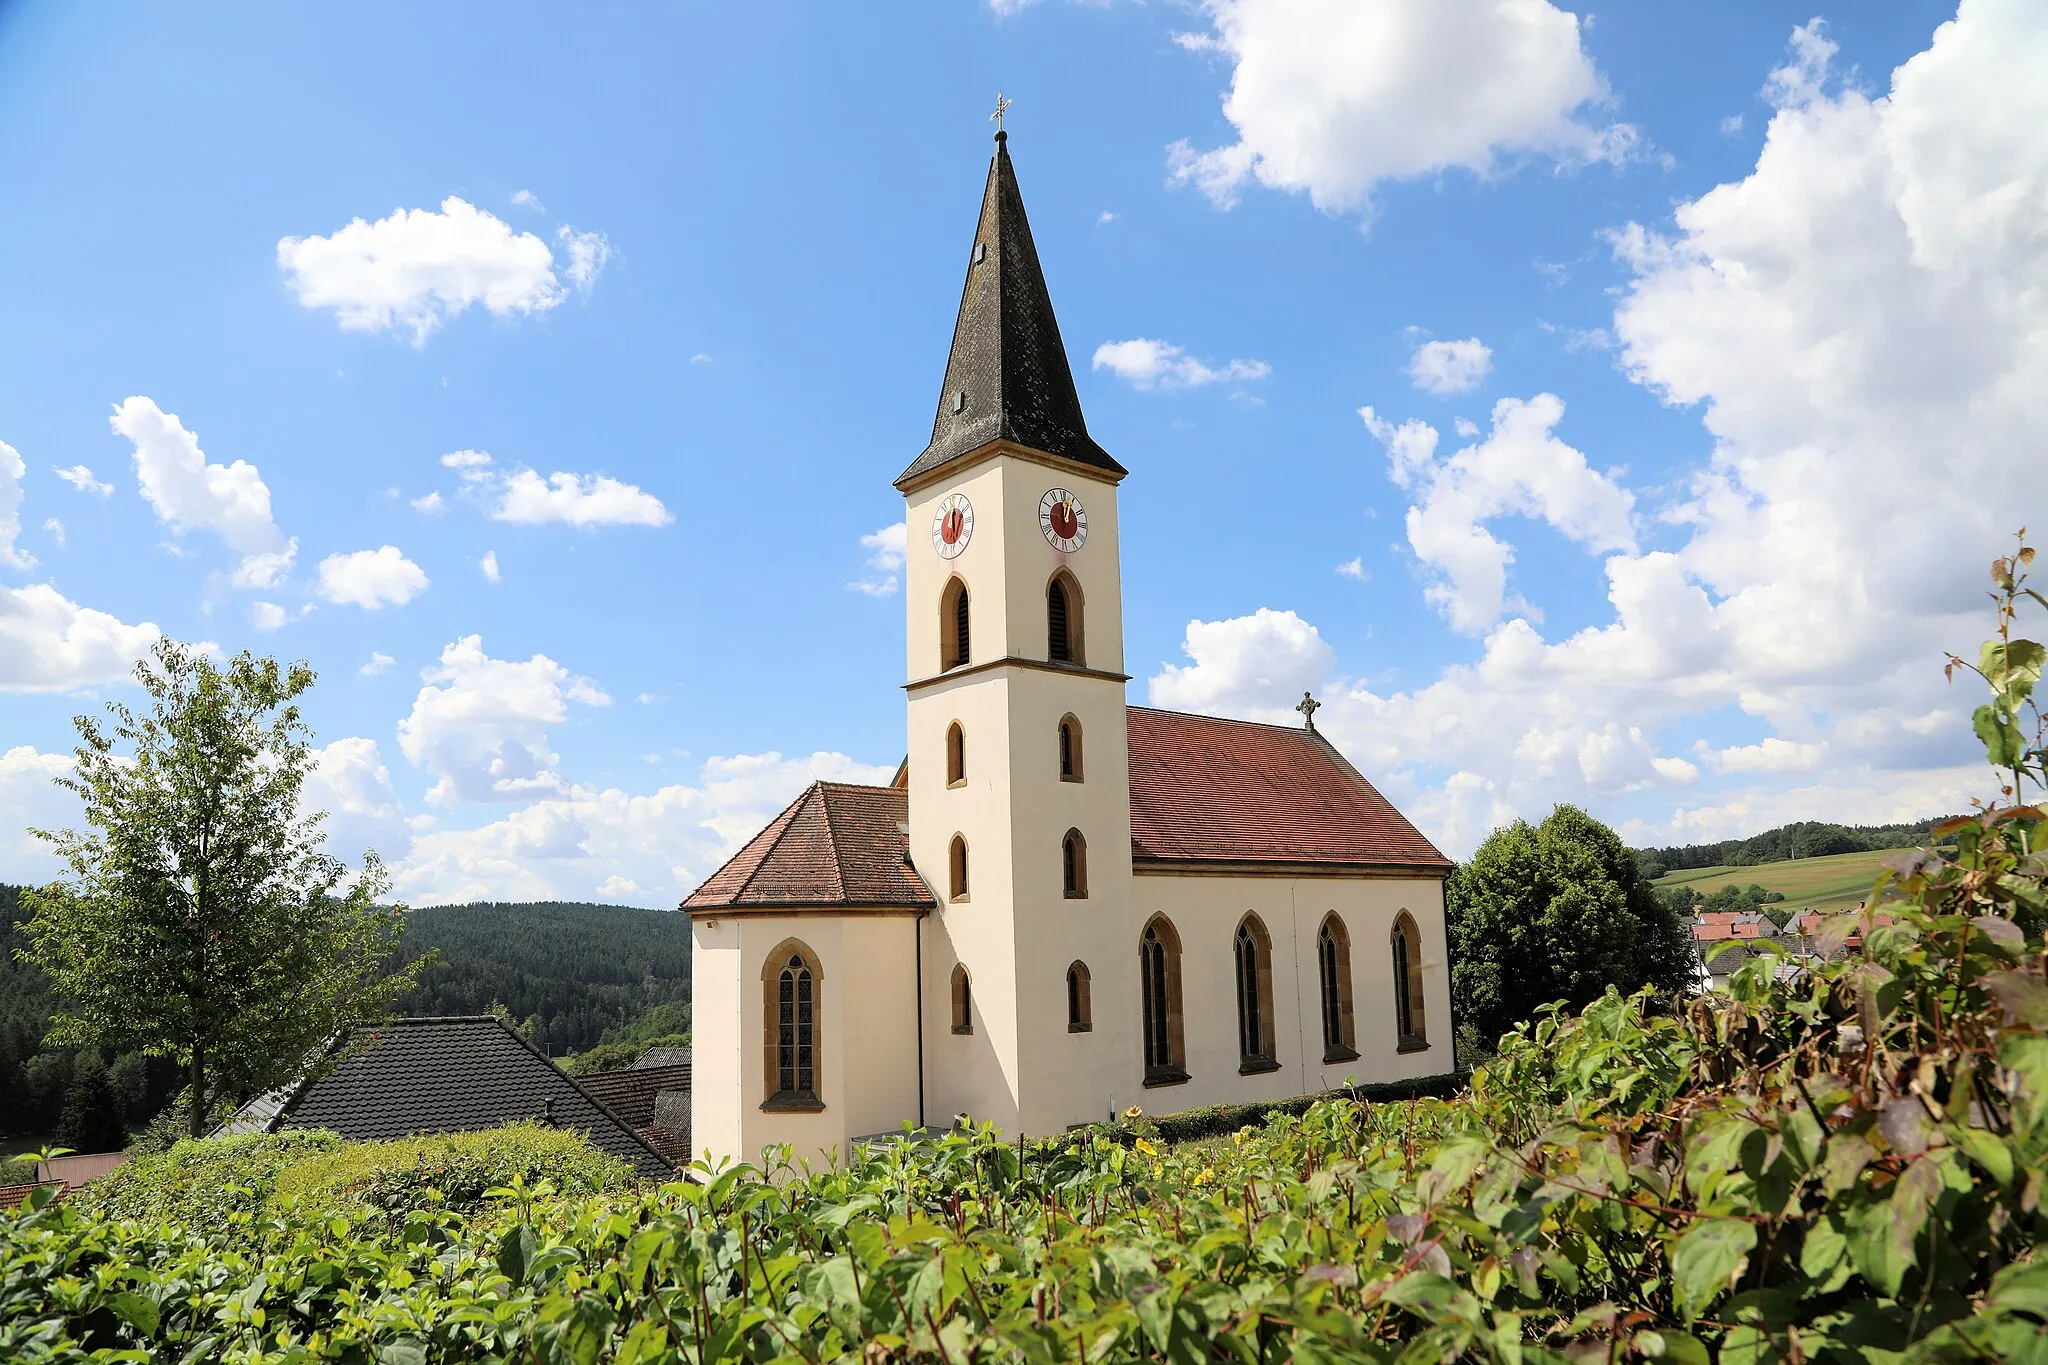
[
  {"x": 837, "y": 844},
  {"x": 1205, "y": 789}
]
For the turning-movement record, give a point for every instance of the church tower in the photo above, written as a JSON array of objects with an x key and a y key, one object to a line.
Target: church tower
[{"x": 1019, "y": 786}]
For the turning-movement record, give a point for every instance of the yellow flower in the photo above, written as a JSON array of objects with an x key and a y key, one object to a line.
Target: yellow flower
[
  {"x": 1204, "y": 1176},
  {"x": 1147, "y": 1148}
]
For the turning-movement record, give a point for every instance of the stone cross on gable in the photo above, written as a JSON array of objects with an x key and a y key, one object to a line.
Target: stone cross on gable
[{"x": 1308, "y": 706}]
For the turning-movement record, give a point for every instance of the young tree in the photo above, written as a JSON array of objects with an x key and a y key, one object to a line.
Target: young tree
[
  {"x": 91, "y": 1121},
  {"x": 1556, "y": 911},
  {"x": 200, "y": 919}
]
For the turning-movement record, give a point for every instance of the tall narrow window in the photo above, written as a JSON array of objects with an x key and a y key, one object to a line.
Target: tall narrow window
[
  {"x": 1080, "y": 1014},
  {"x": 1070, "y": 749},
  {"x": 956, "y": 755},
  {"x": 1063, "y": 619},
  {"x": 1408, "y": 1021},
  {"x": 954, "y": 649},
  {"x": 1074, "y": 865},
  {"x": 789, "y": 979},
  {"x": 1333, "y": 971},
  {"x": 1159, "y": 992},
  {"x": 963, "y": 1000},
  {"x": 956, "y": 868},
  {"x": 1253, "y": 953}
]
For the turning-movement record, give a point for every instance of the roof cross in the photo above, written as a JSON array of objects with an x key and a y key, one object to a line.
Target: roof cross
[
  {"x": 1002, "y": 105},
  {"x": 1308, "y": 706}
]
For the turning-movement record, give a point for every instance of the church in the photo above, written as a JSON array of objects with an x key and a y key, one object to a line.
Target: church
[{"x": 1063, "y": 905}]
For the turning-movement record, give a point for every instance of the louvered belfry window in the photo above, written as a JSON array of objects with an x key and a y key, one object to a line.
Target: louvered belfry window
[
  {"x": 796, "y": 1029},
  {"x": 961, "y": 652},
  {"x": 1059, "y": 644}
]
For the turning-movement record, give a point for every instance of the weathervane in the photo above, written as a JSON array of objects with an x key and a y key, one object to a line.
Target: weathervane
[
  {"x": 1001, "y": 105},
  {"x": 1308, "y": 706}
]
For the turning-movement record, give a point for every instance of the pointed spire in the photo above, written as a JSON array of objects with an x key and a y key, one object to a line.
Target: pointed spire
[{"x": 1007, "y": 376}]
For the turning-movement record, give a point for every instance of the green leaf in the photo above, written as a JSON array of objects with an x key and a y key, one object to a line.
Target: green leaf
[
  {"x": 1824, "y": 1254},
  {"x": 1986, "y": 1149},
  {"x": 2021, "y": 1289},
  {"x": 515, "y": 1253},
  {"x": 406, "y": 1350},
  {"x": 1707, "y": 1259},
  {"x": 2004, "y": 744},
  {"x": 134, "y": 1310}
]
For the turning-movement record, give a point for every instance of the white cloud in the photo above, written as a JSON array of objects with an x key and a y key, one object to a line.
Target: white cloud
[
  {"x": 31, "y": 798},
  {"x": 267, "y": 615},
  {"x": 489, "y": 564},
  {"x": 1257, "y": 665},
  {"x": 265, "y": 570},
  {"x": 1732, "y": 125},
  {"x": 371, "y": 579},
  {"x": 1355, "y": 570},
  {"x": 527, "y": 199},
  {"x": 582, "y": 500},
  {"x": 588, "y": 254},
  {"x": 1798, "y": 83},
  {"x": 1772, "y": 755},
  {"x": 1445, "y": 367},
  {"x": 1105, "y": 217},
  {"x": 1521, "y": 468},
  {"x": 429, "y": 502},
  {"x": 186, "y": 492},
  {"x": 419, "y": 268},
  {"x": 377, "y": 663},
  {"x": 885, "y": 561},
  {"x": 1148, "y": 365},
  {"x": 81, "y": 478},
  {"x": 701, "y": 359},
  {"x": 56, "y": 530},
  {"x": 12, "y": 471},
  {"x": 49, "y": 643},
  {"x": 1330, "y": 97},
  {"x": 481, "y": 725},
  {"x": 351, "y": 783},
  {"x": 466, "y": 459}
]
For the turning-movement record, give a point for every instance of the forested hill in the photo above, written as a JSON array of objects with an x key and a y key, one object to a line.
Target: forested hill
[
  {"x": 1803, "y": 839},
  {"x": 565, "y": 970}
]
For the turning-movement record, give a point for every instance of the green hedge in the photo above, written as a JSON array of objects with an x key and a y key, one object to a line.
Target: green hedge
[
  {"x": 1221, "y": 1120},
  {"x": 201, "y": 1179}
]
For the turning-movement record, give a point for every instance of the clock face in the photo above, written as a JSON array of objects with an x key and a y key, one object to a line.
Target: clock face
[
  {"x": 952, "y": 525},
  {"x": 1062, "y": 518}
]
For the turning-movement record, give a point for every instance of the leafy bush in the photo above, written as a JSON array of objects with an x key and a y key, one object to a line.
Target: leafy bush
[
  {"x": 199, "y": 1179},
  {"x": 452, "y": 1170},
  {"x": 1221, "y": 1120}
]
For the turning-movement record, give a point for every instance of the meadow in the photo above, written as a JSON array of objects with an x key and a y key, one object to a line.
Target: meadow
[{"x": 1841, "y": 881}]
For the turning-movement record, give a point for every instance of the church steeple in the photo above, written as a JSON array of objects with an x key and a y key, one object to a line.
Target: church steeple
[{"x": 1007, "y": 377}]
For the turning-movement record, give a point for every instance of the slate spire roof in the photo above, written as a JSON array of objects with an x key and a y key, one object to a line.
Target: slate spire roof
[{"x": 1007, "y": 377}]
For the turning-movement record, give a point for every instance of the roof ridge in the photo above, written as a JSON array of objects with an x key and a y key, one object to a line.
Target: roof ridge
[
  {"x": 831, "y": 840},
  {"x": 1282, "y": 726}
]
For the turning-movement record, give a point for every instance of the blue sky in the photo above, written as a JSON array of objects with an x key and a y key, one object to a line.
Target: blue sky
[{"x": 1732, "y": 316}]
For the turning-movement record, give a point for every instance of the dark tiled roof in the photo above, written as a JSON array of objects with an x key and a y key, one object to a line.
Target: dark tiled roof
[
  {"x": 1234, "y": 791},
  {"x": 837, "y": 844},
  {"x": 630, "y": 1093},
  {"x": 454, "y": 1075},
  {"x": 1007, "y": 358},
  {"x": 662, "y": 1056}
]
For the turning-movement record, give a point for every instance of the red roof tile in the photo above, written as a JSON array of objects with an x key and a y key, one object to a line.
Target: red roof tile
[
  {"x": 837, "y": 844},
  {"x": 1235, "y": 791}
]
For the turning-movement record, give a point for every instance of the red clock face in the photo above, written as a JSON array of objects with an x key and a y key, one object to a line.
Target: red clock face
[
  {"x": 952, "y": 525},
  {"x": 1063, "y": 520}
]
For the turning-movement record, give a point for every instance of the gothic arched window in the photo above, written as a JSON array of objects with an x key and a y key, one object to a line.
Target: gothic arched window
[
  {"x": 1333, "y": 971},
  {"x": 1159, "y": 989},
  {"x": 963, "y": 1000},
  {"x": 1408, "y": 1021},
  {"x": 790, "y": 980},
  {"x": 956, "y": 755},
  {"x": 1074, "y": 865},
  {"x": 1252, "y": 951},
  {"x": 954, "y": 649},
  {"x": 1070, "y": 749},
  {"x": 1080, "y": 1012},
  {"x": 956, "y": 870},
  {"x": 1063, "y": 620}
]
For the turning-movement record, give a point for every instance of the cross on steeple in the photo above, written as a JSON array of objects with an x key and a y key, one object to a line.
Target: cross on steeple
[
  {"x": 1308, "y": 706},
  {"x": 1001, "y": 106}
]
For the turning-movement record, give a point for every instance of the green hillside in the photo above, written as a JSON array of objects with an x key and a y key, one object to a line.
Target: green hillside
[{"x": 1807, "y": 883}]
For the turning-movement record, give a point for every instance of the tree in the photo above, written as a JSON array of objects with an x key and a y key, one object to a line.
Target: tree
[
  {"x": 1556, "y": 911},
  {"x": 200, "y": 919},
  {"x": 91, "y": 1121}
]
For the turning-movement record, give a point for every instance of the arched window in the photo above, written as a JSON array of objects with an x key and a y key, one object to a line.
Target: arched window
[
  {"x": 1333, "y": 970},
  {"x": 1063, "y": 620},
  {"x": 956, "y": 755},
  {"x": 963, "y": 1000},
  {"x": 956, "y": 868},
  {"x": 1159, "y": 985},
  {"x": 1408, "y": 1023},
  {"x": 1070, "y": 749},
  {"x": 1074, "y": 865},
  {"x": 1253, "y": 953},
  {"x": 790, "y": 980},
  {"x": 954, "y": 649},
  {"x": 1080, "y": 1014}
]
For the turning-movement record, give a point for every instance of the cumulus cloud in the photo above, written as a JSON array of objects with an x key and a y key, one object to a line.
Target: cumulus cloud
[
  {"x": 31, "y": 799},
  {"x": 187, "y": 493},
  {"x": 419, "y": 268},
  {"x": 582, "y": 500},
  {"x": 885, "y": 561},
  {"x": 1521, "y": 469},
  {"x": 81, "y": 478},
  {"x": 480, "y": 726},
  {"x": 48, "y": 643},
  {"x": 1151, "y": 365},
  {"x": 1256, "y": 665},
  {"x": 489, "y": 565},
  {"x": 350, "y": 782},
  {"x": 1330, "y": 97},
  {"x": 371, "y": 579},
  {"x": 56, "y": 530},
  {"x": 378, "y": 662},
  {"x": 267, "y": 615},
  {"x": 1446, "y": 367},
  {"x": 430, "y": 503},
  {"x": 12, "y": 471},
  {"x": 265, "y": 570}
]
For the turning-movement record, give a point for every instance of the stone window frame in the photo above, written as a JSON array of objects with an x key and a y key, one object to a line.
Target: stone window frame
[
  {"x": 1251, "y": 957},
  {"x": 962, "y": 995},
  {"x": 956, "y": 755},
  {"x": 1070, "y": 748},
  {"x": 795, "y": 1100},
  {"x": 1074, "y": 865},
  {"x": 1333, "y": 977},
  {"x": 956, "y": 635},
  {"x": 1164, "y": 1039},
  {"x": 1080, "y": 1002},
  {"x": 1076, "y": 641},
  {"x": 956, "y": 870},
  {"x": 1405, "y": 947}
]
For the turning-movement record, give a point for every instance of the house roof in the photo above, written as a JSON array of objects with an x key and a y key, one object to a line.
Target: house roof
[
  {"x": 452, "y": 1074},
  {"x": 837, "y": 844},
  {"x": 1007, "y": 376},
  {"x": 629, "y": 1094},
  {"x": 662, "y": 1057},
  {"x": 1207, "y": 789}
]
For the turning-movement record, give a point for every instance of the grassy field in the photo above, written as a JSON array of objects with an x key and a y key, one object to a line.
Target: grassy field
[{"x": 1808, "y": 883}]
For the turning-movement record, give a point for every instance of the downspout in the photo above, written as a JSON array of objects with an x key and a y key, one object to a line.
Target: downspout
[{"x": 917, "y": 931}]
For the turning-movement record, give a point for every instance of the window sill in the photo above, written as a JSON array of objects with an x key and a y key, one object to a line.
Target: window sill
[
  {"x": 1413, "y": 1045},
  {"x": 1080, "y": 1028},
  {"x": 1070, "y": 777},
  {"x": 1077, "y": 895},
  {"x": 1166, "y": 1075},
  {"x": 792, "y": 1102},
  {"x": 963, "y": 1029},
  {"x": 956, "y": 784},
  {"x": 960, "y": 899},
  {"x": 1254, "y": 1066},
  {"x": 1339, "y": 1054}
]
